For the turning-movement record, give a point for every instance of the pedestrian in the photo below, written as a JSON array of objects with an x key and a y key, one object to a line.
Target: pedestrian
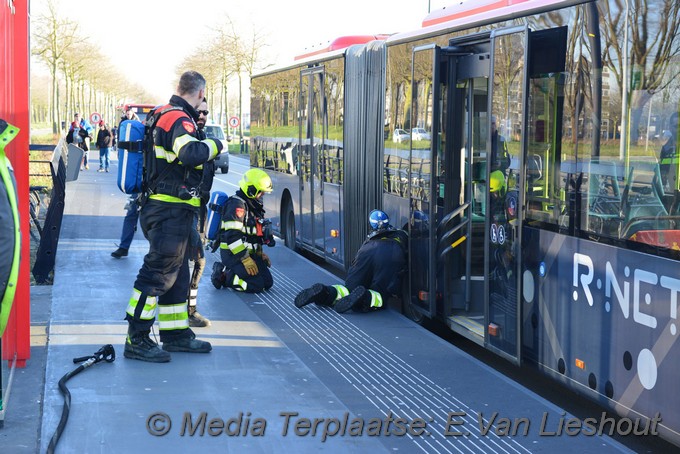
[
  {"x": 167, "y": 219},
  {"x": 129, "y": 114},
  {"x": 500, "y": 158},
  {"x": 666, "y": 159},
  {"x": 129, "y": 227},
  {"x": 104, "y": 138},
  {"x": 131, "y": 208},
  {"x": 81, "y": 133},
  {"x": 197, "y": 256},
  {"x": 244, "y": 266},
  {"x": 376, "y": 272},
  {"x": 114, "y": 138}
]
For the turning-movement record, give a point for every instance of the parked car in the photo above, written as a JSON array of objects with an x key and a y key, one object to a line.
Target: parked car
[
  {"x": 400, "y": 136},
  {"x": 420, "y": 134},
  {"x": 215, "y": 131}
]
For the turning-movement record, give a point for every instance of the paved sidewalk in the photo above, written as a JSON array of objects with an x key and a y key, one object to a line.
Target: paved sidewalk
[{"x": 21, "y": 431}]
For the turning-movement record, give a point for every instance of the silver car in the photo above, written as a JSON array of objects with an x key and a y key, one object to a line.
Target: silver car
[
  {"x": 420, "y": 134},
  {"x": 214, "y": 131},
  {"x": 400, "y": 136}
]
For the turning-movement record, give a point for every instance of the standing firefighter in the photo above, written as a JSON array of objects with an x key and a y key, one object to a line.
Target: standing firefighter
[
  {"x": 375, "y": 273},
  {"x": 167, "y": 218},
  {"x": 244, "y": 230},
  {"x": 196, "y": 243}
]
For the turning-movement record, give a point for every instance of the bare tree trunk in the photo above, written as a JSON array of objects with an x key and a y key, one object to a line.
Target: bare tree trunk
[
  {"x": 59, "y": 114},
  {"x": 54, "y": 113},
  {"x": 240, "y": 110},
  {"x": 639, "y": 98}
]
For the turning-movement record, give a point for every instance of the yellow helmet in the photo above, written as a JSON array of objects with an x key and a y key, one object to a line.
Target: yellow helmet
[
  {"x": 496, "y": 181},
  {"x": 254, "y": 181}
]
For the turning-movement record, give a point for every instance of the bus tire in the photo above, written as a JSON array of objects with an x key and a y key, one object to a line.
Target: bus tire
[{"x": 289, "y": 226}]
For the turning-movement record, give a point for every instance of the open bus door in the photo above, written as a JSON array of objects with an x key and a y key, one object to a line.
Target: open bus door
[{"x": 464, "y": 261}]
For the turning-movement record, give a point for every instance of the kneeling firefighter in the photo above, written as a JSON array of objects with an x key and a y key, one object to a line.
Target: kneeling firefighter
[
  {"x": 375, "y": 273},
  {"x": 243, "y": 232}
]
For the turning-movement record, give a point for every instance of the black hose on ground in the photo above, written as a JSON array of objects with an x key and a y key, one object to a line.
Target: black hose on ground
[{"x": 106, "y": 353}]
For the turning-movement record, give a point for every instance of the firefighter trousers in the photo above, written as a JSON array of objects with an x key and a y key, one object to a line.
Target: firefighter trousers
[{"x": 162, "y": 284}]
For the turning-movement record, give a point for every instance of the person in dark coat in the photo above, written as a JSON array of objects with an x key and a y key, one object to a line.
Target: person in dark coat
[
  {"x": 104, "y": 139},
  {"x": 197, "y": 244},
  {"x": 666, "y": 156},
  {"x": 375, "y": 274},
  {"x": 167, "y": 218}
]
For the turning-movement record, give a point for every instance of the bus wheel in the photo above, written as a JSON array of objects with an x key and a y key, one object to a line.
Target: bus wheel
[{"x": 289, "y": 234}]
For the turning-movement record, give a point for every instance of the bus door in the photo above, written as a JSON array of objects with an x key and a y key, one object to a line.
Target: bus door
[
  {"x": 506, "y": 123},
  {"x": 459, "y": 172},
  {"x": 312, "y": 132},
  {"x": 469, "y": 273},
  {"x": 441, "y": 230}
]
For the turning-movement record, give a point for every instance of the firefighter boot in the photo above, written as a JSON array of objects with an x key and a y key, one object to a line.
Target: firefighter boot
[
  {"x": 352, "y": 301},
  {"x": 196, "y": 320},
  {"x": 317, "y": 293},
  {"x": 218, "y": 276},
  {"x": 139, "y": 345},
  {"x": 187, "y": 344}
]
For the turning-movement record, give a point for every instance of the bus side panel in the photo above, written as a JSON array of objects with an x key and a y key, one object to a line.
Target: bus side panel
[
  {"x": 603, "y": 320},
  {"x": 286, "y": 187},
  {"x": 332, "y": 202}
]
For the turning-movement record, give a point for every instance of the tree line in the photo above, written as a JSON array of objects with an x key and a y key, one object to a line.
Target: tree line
[{"x": 76, "y": 85}]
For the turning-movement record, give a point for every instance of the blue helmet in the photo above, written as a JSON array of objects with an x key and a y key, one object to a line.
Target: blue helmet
[
  {"x": 420, "y": 219},
  {"x": 378, "y": 220}
]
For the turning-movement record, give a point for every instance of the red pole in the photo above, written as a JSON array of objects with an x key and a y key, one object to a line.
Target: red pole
[{"x": 15, "y": 108}]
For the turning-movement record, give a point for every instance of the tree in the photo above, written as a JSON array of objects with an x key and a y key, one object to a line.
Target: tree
[
  {"x": 244, "y": 58},
  {"x": 54, "y": 37},
  {"x": 655, "y": 45},
  {"x": 219, "y": 48}
]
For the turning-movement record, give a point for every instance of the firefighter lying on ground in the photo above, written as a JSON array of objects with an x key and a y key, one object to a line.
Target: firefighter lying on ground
[
  {"x": 243, "y": 232},
  {"x": 375, "y": 273}
]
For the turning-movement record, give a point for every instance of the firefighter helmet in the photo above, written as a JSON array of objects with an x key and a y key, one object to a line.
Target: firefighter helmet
[
  {"x": 420, "y": 220},
  {"x": 378, "y": 220},
  {"x": 497, "y": 181},
  {"x": 255, "y": 181}
]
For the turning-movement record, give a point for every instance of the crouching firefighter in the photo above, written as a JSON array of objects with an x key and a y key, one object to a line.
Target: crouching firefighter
[
  {"x": 174, "y": 157},
  {"x": 374, "y": 275},
  {"x": 243, "y": 232}
]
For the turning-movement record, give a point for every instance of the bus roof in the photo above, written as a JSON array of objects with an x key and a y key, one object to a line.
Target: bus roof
[
  {"x": 306, "y": 60},
  {"x": 464, "y": 14},
  {"x": 471, "y": 13},
  {"x": 343, "y": 42}
]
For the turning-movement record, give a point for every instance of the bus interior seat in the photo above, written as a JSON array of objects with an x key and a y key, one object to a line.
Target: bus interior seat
[
  {"x": 534, "y": 167},
  {"x": 604, "y": 193},
  {"x": 642, "y": 200}
]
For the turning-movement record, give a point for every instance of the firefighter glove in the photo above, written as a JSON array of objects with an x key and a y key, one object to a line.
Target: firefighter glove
[
  {"x": 250, "y": 265},
  {"x": 266, "y": 259}
]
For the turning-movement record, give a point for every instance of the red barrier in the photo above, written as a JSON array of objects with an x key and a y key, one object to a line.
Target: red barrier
[{"x": 14, "y": 108}]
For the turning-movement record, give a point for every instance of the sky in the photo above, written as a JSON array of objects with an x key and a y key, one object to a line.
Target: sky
[{"x": 147, "y": 39}]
